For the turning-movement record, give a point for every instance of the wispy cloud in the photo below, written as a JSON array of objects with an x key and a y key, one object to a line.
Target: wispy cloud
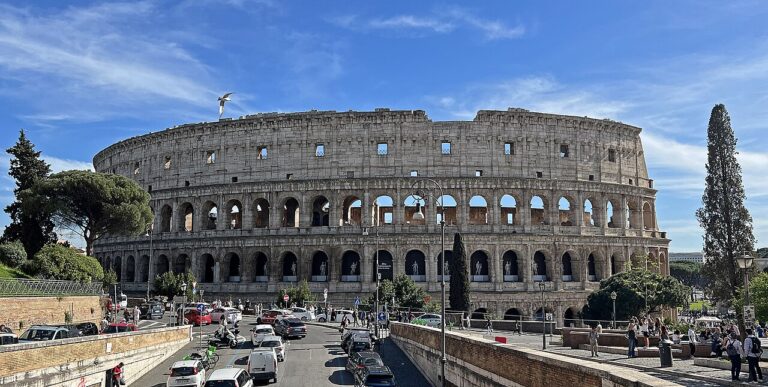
[
  {"x": 58, "y": 164},
  {"x": 410, "y": 21}
]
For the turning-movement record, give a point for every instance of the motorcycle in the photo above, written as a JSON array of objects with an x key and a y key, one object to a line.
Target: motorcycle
[{"x": 226, "y": 337}]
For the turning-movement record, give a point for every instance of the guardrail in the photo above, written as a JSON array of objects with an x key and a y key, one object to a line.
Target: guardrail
[{"x": 40, "y": 287}]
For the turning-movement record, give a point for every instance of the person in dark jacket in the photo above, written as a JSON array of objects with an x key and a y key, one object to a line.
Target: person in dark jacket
[{"x": 631, "y": 340}]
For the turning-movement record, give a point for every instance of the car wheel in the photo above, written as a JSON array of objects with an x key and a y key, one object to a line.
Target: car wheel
[
  {"x": 304, "y": 318},
  {"x": 321, "y": 319},
  {"x": 233, "y": 344},
  {"x": 258, "y": 321}
]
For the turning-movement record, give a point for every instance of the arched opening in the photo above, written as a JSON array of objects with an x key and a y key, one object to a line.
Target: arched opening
[
  {"x": 449, "y": 203},
  {"x": 479, "y": 314},
  {"x": 540, "y": 261},
  {"x": 118, "y": 268},
  {"x": 478, "y": 210},
  {"x": 510, "y": 267},
  {"x": 538, "y": 211},
  {"x": 181, "y": 263},
  {"x": 130, "y": 269},
  {"x": 291, "y": 213},
  {"x": 290, "y": 267},
  {"x": 211, "y": 212},
  {"x": 261, "y": 271},
  {"x": 162, "y": 266},
  {"x": 415, "y": 265},
  {"x": 509, "y": 210},
  {"x": 188, "y": 217},
  {"x": 589, "y": 214},
  {"x": 385, "y": 265},
  {"x": 209, "y": 265},
  {"x": 319, "y": 267},
  {"x": 165, "y": 218},
  {"x": 513, "y": 314},
  {"x": 565, "y": 212},
  {"x": 547, "y": 314},
  {"x": 350, "y": 266},
  {"x": 382, "y": 210},
  {"x": 613, "y": 265},
  {"x": 261, "y": 213},
  {"x": 479, "y": 266},
  {"x": 144, "y": 268},
  {"x": 320, "y": 210},
  {"x": 648, "y": 223},
  {"x": 609, "y": 216},
  {"x": 591, "y": 269},
  {"x": 445, "y": 267},
  {"x": 233, "y": 267},
  {"x": 638, "y": 260},
  {"x": 412, "y": 206},
  {"x": 570, "y": 317},
  {"x": 633, "y": 215},
  {"x": 567, "y": 270},
  {"x": 234, "y": 215},
  {"x": 352, "y": 214}
]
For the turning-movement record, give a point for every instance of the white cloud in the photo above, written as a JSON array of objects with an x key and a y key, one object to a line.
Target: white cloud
[
  {"x": 58, "y": 165},
  {"x": 410, "y": 21}
]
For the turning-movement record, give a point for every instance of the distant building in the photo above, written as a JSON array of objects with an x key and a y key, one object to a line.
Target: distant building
[{"x": 696, "y": 256}]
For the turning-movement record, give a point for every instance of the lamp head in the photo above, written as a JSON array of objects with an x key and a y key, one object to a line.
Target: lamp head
[
  {"x": 419, "y": 215},
  {"x": 744, "y": 261},
  {"x": 613, "y": 296}
]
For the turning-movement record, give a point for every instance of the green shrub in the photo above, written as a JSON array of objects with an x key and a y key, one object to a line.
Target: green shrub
[
  {"x": 64, "y": 263},
  {"x": 12, "y": 254}
]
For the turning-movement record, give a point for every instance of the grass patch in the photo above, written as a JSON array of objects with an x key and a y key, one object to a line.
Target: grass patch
[
  {"x": 697, "y": 306},
  {"x": 10, "y": 273}
]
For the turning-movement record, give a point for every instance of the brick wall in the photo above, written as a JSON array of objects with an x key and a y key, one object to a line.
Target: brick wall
[
  {"x": 480, "y": 362},
  {"x": 47, "y": 310}
]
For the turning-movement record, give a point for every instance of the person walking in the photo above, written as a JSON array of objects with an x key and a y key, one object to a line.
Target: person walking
[
  {"x": 631, "y": 340},
  {"x": 599, "y": 328},
  {"x": 488, "y": 326},
  {"x": 734, "y": 350},
  {"x": 137, "y": 315},
  {"x": 469, "y": 321},
  {"x": 644, "y": 331},
  {"x": 754, "y": 350},
  {"x": 117, "y": 375},
  {"x": 692, "y": 340},
  {"x": 593, "y": 336}
]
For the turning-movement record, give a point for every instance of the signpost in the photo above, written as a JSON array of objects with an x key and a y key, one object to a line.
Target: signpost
[
  {"x": 200, "y": 309},
  {"x": 749, "y": 315},
  {"x": 325, "y": 300}
]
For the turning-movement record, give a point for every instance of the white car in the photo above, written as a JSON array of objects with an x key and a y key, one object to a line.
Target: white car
[
  {"x": 322, "y": 317},
  {"x": 302, "y": 314},
  {"x": 259, "y": 332},
  {"x": 275, "y": 342},
  {"x": 262, "y": 364},
  {"x": 186, "y": 373},
  {"x": 229, "y": 377},
  {"x": 232, "y": 315},
  {"x": 428, "y": 319}
]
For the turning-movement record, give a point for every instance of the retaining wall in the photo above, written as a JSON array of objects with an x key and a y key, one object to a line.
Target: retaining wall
[{"x": 19, "y": 313}]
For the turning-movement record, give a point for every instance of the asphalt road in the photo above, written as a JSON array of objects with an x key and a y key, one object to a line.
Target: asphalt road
[{"x": 316, "y": 360}]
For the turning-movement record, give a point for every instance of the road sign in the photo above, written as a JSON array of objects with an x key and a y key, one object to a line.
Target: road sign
[
  {"x": 749, "y": 314},
  {"x": 357, "y": 301},
  {"x": 286, "y": 298},
  {"x": 200, "y": 308},
  {"x": 382, "y": 317},
  {"x": 549, "y": 316}
]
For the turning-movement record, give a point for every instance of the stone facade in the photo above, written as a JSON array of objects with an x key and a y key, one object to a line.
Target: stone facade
[{"x": 253, "y": 204}]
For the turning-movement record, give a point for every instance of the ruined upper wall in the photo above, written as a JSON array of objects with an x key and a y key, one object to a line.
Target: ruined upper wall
[{"x": 599, "y": 150}]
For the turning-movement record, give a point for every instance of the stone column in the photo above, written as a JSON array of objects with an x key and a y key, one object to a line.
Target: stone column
[
  {"x": 579, "y": 209},
  {"x": 222, "y": 214},
  {"x": 246, "y": 212},
  {"x": 366, "y": 209},
  {"x": 275, "y": 212},
  {"x": 216, "y": 270}
]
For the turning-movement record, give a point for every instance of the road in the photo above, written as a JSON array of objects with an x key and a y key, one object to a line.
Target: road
[{"x": 316, "y": 360}]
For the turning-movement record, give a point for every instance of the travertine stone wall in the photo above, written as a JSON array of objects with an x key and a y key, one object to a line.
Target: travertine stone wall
[
  {"x": 19, "y": 313},
  {"x": 251, "y": 205}
]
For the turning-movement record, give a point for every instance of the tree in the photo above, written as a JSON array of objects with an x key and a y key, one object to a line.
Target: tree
[
  {"x": 459, "y": 296},
  {"x": 689, "y": 273},
  {"x": 110, "y": 278},
  {"x": 631, "y": 288},
  {"x": 169, "y": 284},
  {"x": 758, "y": 287},
  {"x": 406, "y": 293},
  {"x": 93, "y": 204},
  {"x": 33, "y": 227},
  {"x": 12, "y": 254},
  {"x": 762, "y": 252},
  {"x": 296, "y": 294},
  {"x": 58, "y": 262},
  {"x": 726, "y": 222}
]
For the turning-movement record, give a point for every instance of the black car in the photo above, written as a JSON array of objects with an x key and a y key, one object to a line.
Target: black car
[
  {"x": 375, "y": 376},
  {"x": 357, "y": 337},
  {"x": 357, "y": 361},
  {"x": 150, "y": 310},
  {"x": 87, "y": 329},
  {"x": 290, "y": 327}
]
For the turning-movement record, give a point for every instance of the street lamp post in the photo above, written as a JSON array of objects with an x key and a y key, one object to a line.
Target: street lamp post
[
  {"x": 613, "y": 316},
  {"x": 419, "y": 216},
  {"x": 745, "y": 263},
  {"x": 378, "y": 275},
  {"x": 542, "y": 285},
  {"x": 149, "y": 263}
]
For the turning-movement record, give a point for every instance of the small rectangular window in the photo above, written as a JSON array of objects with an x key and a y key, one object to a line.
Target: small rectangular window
[
  {"x": 210, "y": 157},
  {"x": 167, "y": 162},
  {"x": 234, "y": 179},
  {"x": 591, "y": 177},
  {"x": 136, "y": 168},
  {"x": 445, "y": 148},
  {"x": 630, "y": 181},
  {"x": 478, "y": 172},
  {"x": 414, "y": 173},
  {"x": 563, "y": 151},
  {"x": 319, "y": 150},
  {"x": 539, "y": 175},
  {"x": 612, "y": 155},
  {"x": 149, "y": 188},
  {"x": 388, "y": 218},
  {"x": 261, "y": 153},
  {"x": 382, "y": 149},
  {"x": 350, "y": 174},
  {"x": 289, "y": 176},
  {"x": 186, "y": 183},
  {"x": 509, "y": 148}
]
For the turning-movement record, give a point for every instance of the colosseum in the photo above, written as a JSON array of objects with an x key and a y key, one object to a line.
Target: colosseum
[{"x": 255, "y": 204}]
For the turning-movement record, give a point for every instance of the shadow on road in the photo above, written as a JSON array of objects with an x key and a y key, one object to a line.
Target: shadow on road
[{"x": 341, "y": 377}]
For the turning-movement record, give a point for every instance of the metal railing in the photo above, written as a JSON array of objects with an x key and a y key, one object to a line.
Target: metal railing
[{"x": 41, "y": 287}]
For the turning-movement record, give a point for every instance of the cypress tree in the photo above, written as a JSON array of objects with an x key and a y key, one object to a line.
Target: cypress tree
[
  {"x": 726, "y": 222},
  {"x": 33, "y": 228},
  {"x": 459, "y": 296}
]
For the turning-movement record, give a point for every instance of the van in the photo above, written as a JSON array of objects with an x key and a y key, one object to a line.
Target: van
[{"x": 262, "y": 364}]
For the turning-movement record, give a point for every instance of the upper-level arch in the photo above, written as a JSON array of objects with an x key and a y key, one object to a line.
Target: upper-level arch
[
  {"x": 351, "y": 214},
  {"x": 509, "y": 213},
  {"x": 321, "y": 208},
  {"x": 291, "y": 213},
  {"x": 260, "y": 213},
  {"x": 478, "y": 210}
]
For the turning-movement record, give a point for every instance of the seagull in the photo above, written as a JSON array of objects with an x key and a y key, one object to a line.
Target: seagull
[{"x": 222, "y": 100}]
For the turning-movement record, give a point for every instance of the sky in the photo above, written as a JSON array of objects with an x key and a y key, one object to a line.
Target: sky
[{"x": 79, "y": 76}]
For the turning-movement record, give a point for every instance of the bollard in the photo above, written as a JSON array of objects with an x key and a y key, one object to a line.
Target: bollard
[{"x": 501, "y": 339}]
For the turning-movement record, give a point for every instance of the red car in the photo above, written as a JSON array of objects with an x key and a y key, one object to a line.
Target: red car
[
  {"x": 269, "y": 316},
  {"x": 195, "y": 318},
  {"x": 119, "y": 328}
]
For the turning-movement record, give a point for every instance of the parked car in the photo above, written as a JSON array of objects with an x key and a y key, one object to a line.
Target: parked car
[
  {"x": 290, "y": 327},
  {"x": 119, "y": 328},
  {"x": 8, "y": 339},
  {"x": 87, "y": 329},
  {"x": 194, "y": 305},
  {"x": 428, "y": 319},
  {"x": 186, "y": 373},
  {"x": 232, "y": 315},
  {"x": 151, "y": 310},
  {"x": 357, "y": 342},
  {"x": 357, "y": 361},
  {"x": 269, "y": 316},
  {"x": 274, "y": 342},
  {"x": 259, "y": 332},
  {"x": 302, "y": 314},
  {"x": 379, "y": 376},
  {"x": 47, "y": 332},
  {"x": 262, "y": 364},
  {"x": 337, "y": 316},
  {"x": 194, "y": 317},
  {"x": 348, "y": 331},
  {"x": 229, "y": 377}
]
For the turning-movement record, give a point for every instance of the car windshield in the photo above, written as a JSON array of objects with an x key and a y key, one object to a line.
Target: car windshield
[
  {"x": 263, "y": 330},
  {"x": 296, "y": 323},
  {"x": 270, "y": 343},
  {"x": 38, "y": 334},
  {"x": 220, "y": 383},
  {"x": 372, "y": 361},
  {"x": 184, "y": 371},
  {"x": 117, "y": 329},
  {"x": 380, "y": 380}
]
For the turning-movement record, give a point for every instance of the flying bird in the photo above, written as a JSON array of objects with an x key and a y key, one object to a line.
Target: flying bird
[{"x": 222, "y": 100}]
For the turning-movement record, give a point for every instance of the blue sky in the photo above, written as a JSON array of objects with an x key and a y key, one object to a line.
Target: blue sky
[{"x": 79, "y": 76}]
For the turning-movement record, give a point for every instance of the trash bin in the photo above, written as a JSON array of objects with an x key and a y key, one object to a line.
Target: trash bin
[{"x": 665, "y": 353}]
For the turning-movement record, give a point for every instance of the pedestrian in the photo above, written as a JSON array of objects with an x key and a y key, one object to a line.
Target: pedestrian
[
  {"x": 117, "y": 375},
  {"x": 663, "y": 333},
  {"x": 715, "y": 349},
  {"x": 657, "y": 326},
  {"x": 692, "y": 339},
  {"x": 599, "y": 328},
  {"x": 104, "y": 323},
  {"x": 137, "y": 315},
  {"x": 759, "y": 331},
  {"x": 734, "y": 350},
  {"x": 644, "y": 331},
  {"x": 488, "y": 325},
  {"x": 5, "y": 329},
  {"x": 354, "y": 318},
  {"x": 469, "y": 322},
  {"x": 754, "y": 350},
  {"x": 593, "y": 336},
  {"x": 631, "y": 340}
]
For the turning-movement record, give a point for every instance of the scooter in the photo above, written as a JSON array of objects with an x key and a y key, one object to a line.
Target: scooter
[{"x": 226, "y": 337}]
